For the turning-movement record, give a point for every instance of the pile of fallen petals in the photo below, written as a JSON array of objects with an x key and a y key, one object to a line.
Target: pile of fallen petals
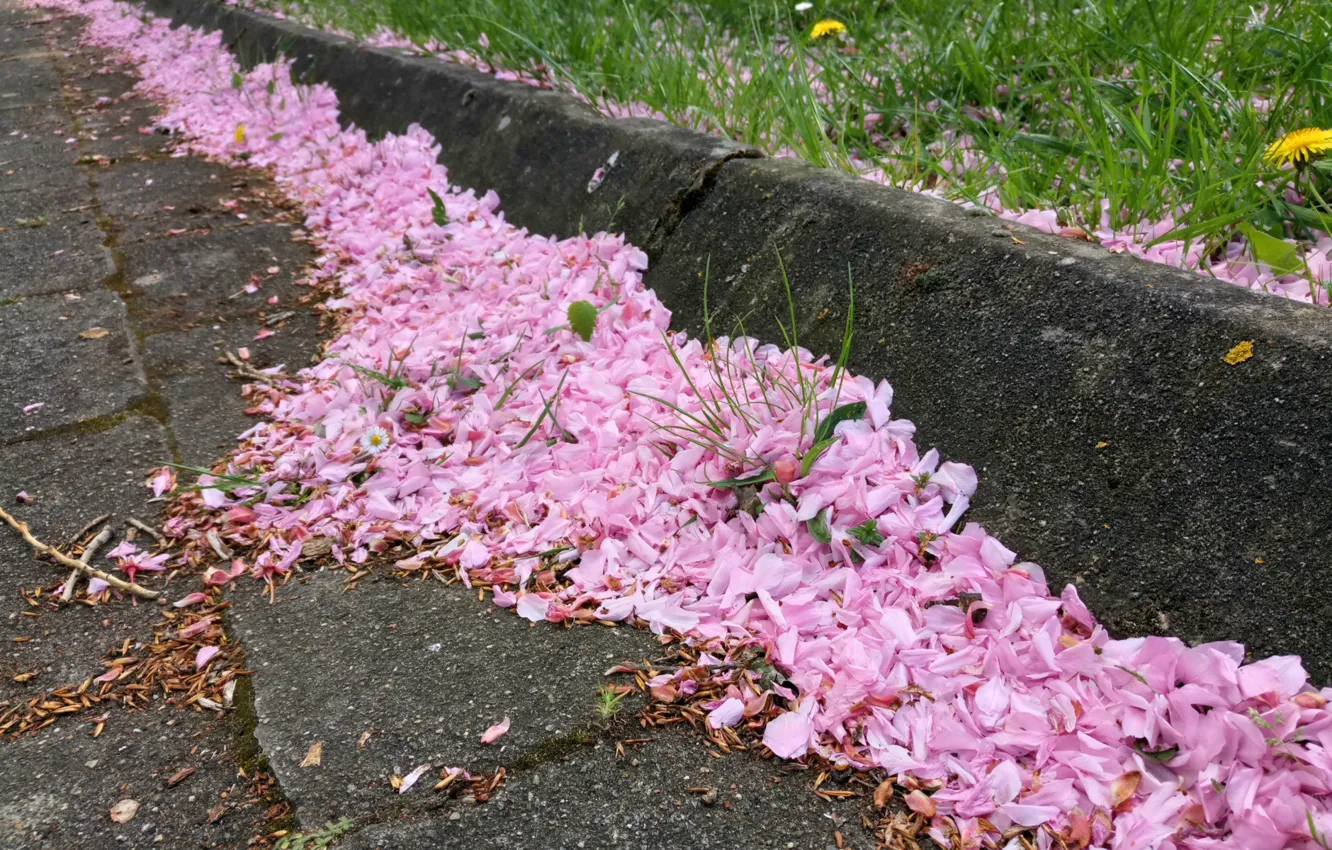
[{"x": 458, "y": 419}]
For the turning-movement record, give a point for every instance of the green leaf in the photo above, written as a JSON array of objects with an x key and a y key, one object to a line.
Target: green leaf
[
  {"x": 393, "y": 383},
  {"x": 845, "y": 413},
  {"x": 754, "y": 480},
  {"x": 813, "y": 454},
  {"x": 271, "y": 87},
  {"x": 275, "y": 137},
  {"x": 1162, "y": 756},
  {"x": 1278, "y": 254},
  {"x": 440, "y": 215},
  {"x": 818, "y": 526},
  {"x": 461, "y": 383},
  {"x": 1311, "y": 218},
  {"x": 237, "y": 81},
  {"x": 414, "y": 418},
  {"x": 868, "y": 533},
  {"x": 583, "y": 319}
]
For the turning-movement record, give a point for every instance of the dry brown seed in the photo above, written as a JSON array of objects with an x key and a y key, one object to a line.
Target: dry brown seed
[{"x": 180, "y": 776}]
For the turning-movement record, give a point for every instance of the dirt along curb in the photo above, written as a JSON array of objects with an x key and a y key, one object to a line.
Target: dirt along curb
[{"x": 1115, "y": 445}]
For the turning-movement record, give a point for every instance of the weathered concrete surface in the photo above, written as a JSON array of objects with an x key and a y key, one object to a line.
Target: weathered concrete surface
[
  {"x": 64, "y": 254},
  {"x": 150, "y": 199},
  {"x": 116, "y": 405},
  {"x": 189, "y": 381},
  {"x": 639, "y": 801},
  {"x": 1114, "y": 445},
  {"x": 57, "y": 787},
  {"x": 77, "y": 361},
  {"x": 1205, "y": 515},
  {"x": 537, "y": 149},
  {"x": 60, "y": 785},
  {"x": 426, "y": 669},
  {"x": 72, "y": 480},
  {"x": 184, "y": 282},
  {"x": 432, "y": 668}
]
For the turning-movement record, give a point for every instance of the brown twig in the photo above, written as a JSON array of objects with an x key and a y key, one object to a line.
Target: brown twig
[
  {"x": 86, "y": 558},
  {"x": 245, "y": 370},
  {"x": 118, "y": 583},
  {"x": 92, "y": 523},
  {"x": 147, "y": 529}
]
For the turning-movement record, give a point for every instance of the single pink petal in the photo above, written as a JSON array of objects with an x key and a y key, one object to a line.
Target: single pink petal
[
  {"x": 410, "y": 779},
  {"x": 205, "y": 655},
  {"x": 534, "y": 606},
  {"x": 920, "y": 803},
  {"x": 96, "y": 586},
  {"x": 190, "y": 599},
  {"x": 110, "y": 675},
  {"x": 728, "y": 713},
  {"x": 196, "y": 628},
  {"x": 123, "y": 550},
  {"x": 1025, "y": 815},
  {"x": 494, "y": 733},
  {"x": 788, "y": 736}
]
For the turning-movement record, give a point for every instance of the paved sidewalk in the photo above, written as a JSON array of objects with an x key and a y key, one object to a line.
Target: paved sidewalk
[
  {"x": 113, "y": 326},
  {"x": 122, "y": 276}
]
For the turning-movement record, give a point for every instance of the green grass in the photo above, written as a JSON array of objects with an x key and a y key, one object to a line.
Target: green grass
[{"x": 1148, "y": 104}]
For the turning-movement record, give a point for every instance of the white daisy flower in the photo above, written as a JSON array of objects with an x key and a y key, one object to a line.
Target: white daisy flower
[
  {"x": 804, "y": 7},
  {"x": 375, "y": 440}
]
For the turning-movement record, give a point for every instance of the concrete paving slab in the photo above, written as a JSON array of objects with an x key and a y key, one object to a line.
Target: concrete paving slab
[
  {"x": 147, "y": 200},
  {"x": 28, "y": 79},
  {"x": 43, "y": 164},
  {"x": 68, "y": 208},
  {"x": 72, "y": 479},
  {"x": 47, "y": 361},
  {"x": 57, "y": 788},
  {"x": 204, "y": 404},
  {"x": 433, "y": 670},
  {"x": 187, "y": 281},
  {"x": 64, "y": 255},
  {"x": 597, "y": 798}
]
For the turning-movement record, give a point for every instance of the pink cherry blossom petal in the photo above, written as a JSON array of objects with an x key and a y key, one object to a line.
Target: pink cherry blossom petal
[{"x": 494, "y": 733}]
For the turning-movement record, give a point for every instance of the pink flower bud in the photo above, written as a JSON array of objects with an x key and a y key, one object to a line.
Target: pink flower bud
[{"x": 784, "y": 471}]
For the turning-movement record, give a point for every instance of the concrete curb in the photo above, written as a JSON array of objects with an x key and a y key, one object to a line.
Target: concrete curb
[{"x": 1115, "y": 447}]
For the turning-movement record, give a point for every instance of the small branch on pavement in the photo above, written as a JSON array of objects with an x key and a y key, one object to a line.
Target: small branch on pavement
[
  {"x": 118, "y": 583},
  {"x": 245, "y": 370},
  {"x": 92, "y": 523},
  {"x": 147, "y": 529},
  {"x": 86, "y": 558}
]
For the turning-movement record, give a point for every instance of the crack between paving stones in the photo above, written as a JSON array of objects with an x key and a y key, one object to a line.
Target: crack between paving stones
[
  {"x": 249, "y": 754},
  {"x": 152, "y": 403}
]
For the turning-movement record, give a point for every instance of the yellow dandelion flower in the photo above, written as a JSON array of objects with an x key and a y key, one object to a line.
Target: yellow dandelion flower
[
  {"x": 827, "y": 26},
  {"x": 240, "y": 134},
  {"x": 1299, "y": 147}
]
